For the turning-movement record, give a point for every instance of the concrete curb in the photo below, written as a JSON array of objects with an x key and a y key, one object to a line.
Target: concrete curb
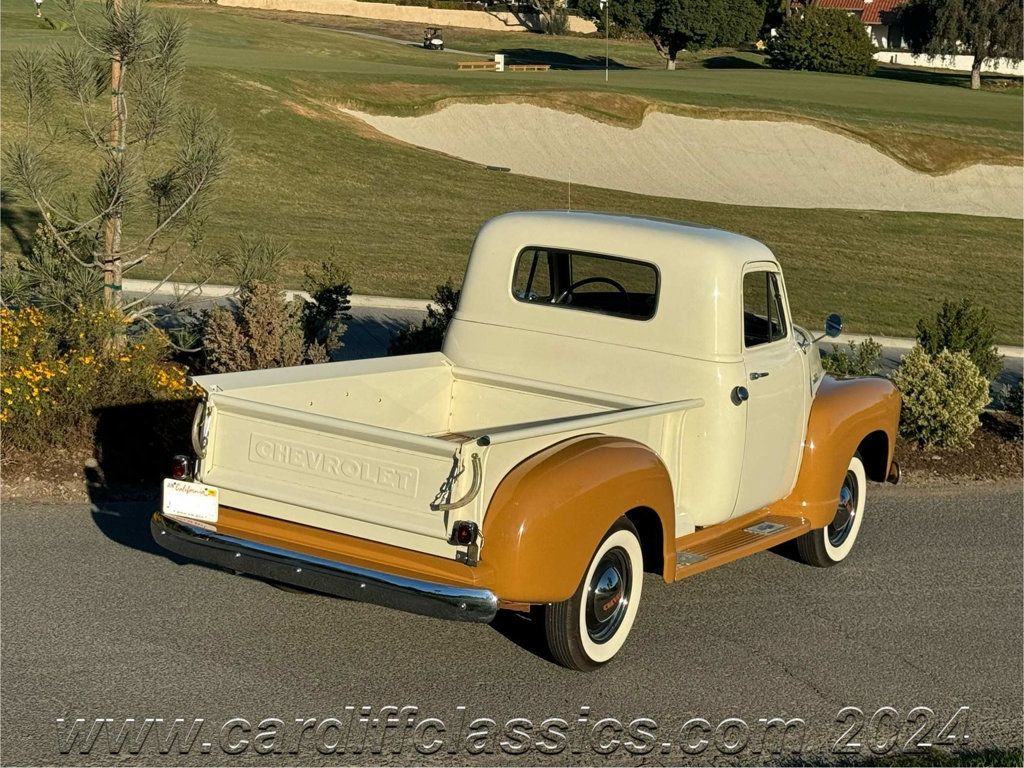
[
  {"x": 897, "y": 342},
  {"x": 213, "y": 291},
  {"x": 360, "y": 301}
]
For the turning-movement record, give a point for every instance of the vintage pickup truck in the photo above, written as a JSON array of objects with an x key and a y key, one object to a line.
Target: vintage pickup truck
[{"x": 615, "y": 395}]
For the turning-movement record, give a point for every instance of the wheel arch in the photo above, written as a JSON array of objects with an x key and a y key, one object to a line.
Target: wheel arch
[
  {"x": 652, "y": 537},
  {"x": 847, "y": 416},
  {"x": 874, "y": 452},
  {"x": 549, "y": 514}
]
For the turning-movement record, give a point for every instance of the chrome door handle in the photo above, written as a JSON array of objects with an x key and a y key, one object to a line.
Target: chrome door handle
[{"x": 758, "y": 375}]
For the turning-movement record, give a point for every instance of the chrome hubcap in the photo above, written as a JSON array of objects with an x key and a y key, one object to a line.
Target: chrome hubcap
[
  {"x": 608, "y": 595},
  {"x": 846, "y": 512}
]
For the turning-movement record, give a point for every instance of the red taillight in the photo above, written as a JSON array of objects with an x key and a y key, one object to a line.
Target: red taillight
[
  {"x": 180, "y": 469},
  {"x": 463, "y": 533}
]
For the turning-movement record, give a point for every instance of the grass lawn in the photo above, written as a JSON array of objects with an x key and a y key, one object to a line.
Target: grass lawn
[{"x": 404, "y": 218}]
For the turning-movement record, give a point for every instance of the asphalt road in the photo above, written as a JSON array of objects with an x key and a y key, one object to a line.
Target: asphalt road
[{"x": 98, "y": 623}]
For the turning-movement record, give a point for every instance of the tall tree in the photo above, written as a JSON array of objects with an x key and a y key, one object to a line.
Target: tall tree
[
  {"x": 677, "y": 25},
  {"x": 823, "y": 40},
  {"x": 554, "y": 16},
  {"x": 628, "y": 16},
  {"x": 100, "y": 115},
  {"x": 983, "y": 29}
]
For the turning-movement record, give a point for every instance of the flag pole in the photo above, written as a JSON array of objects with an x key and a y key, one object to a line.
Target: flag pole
[{"x": 605, "y": 3}]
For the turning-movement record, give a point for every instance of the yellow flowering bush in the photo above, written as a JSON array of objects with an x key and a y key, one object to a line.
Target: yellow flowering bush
[{"x": 56, "y": 375}]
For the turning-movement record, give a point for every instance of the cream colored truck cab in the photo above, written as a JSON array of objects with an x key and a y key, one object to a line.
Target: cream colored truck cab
[{"x": 614, "y": 395}]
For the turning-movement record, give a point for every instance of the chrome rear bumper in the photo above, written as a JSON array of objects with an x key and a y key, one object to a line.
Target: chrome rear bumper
[{"x": 322, "y": 575}]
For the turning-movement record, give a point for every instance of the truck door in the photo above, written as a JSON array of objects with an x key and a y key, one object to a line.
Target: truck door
[{"x": 775, "y": 381}]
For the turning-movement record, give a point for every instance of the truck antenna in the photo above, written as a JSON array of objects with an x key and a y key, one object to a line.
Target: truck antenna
[{"x": 570, "y": 187}]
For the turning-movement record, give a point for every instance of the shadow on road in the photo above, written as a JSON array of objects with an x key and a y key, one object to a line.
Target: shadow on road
[
  {"x": 134, "y": 445},
  {"x": 525, "y": 630},
  {"x": 127, "y": 523}
]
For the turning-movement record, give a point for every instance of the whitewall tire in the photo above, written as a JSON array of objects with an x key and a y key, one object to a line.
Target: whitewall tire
[
  {"x": 589, "y": 628},
  {"x": 832, "y": 544}
]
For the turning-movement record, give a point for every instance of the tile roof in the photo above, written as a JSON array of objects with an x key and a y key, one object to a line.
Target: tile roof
[{"x": 870, "y": 10}]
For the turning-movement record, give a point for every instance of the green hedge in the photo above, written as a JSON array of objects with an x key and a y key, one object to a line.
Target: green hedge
[{"x": 823, "y": 40}]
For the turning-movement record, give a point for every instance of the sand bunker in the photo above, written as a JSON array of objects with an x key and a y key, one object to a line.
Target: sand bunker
[{"x": 743, "y": 162}]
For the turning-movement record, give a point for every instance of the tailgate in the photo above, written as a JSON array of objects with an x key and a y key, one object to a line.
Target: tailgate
[{"x": 331, "y": 473}]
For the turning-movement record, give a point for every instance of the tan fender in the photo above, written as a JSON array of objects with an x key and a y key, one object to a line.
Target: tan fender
[
  {"x": 847, "y": 415},
  {"x": 549, "y": 514}
]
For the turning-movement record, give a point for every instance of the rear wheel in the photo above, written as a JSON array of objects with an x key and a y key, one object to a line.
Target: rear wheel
[
  {"x": 589, "y": 628},
  {"x": 827, "y": 546}
]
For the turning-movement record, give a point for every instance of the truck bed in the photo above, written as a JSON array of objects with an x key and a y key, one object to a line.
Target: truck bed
[{"x": 388, "y": 449}]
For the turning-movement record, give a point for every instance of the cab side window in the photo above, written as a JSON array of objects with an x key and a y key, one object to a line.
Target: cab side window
[
  {"x": 764, "y": 319},
  {"x": 532, "y": 281}
]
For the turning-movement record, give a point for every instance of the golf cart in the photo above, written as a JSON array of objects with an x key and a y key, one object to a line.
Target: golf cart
[{"x": 433, "y": 39}]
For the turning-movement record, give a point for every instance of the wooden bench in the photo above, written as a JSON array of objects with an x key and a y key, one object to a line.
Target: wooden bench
[
  {"x": 482, "y": 64},
  {"x": 528, "y": 67}
]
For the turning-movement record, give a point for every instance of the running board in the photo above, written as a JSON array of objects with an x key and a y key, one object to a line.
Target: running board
[{"x": 720, "y": 544}]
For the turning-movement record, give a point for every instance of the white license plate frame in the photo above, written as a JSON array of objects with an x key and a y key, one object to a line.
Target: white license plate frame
[{"x": 189, "y": 500}]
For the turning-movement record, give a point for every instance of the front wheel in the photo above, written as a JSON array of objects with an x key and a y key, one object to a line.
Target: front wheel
[
  {"x": 827, "y": 546},
  {"x": 589, "y": 628}
]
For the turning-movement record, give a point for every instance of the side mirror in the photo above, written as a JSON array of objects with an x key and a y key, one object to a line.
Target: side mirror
[{"x": 833, "y": 325}]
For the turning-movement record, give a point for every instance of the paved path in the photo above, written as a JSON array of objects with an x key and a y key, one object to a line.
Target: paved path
[
  {"x": 160, "y": 290},
  {"x": 97, "y": 622}
]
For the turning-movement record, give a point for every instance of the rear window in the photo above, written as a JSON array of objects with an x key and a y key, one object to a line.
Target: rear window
[{"x": 587, "y": 282}]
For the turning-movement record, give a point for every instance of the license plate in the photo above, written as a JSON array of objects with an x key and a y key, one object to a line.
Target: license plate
[{"x": 192, "y": 500}]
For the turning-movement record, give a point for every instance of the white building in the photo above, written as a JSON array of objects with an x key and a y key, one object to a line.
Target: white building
[{"x": 877, "y": 16}]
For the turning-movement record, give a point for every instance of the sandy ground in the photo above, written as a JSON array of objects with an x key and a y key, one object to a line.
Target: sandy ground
[{"x": 742, "y": 162}]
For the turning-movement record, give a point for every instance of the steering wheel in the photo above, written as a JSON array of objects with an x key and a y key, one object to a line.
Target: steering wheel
[{"x": 587, "y": 281}]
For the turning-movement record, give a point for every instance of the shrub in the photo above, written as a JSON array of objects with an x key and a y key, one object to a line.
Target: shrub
[
  {"x": 1014, "y": 399},
  {"x": 47, "y": 279},
  {"x": 57, "y": 373},
  {"x": 258, "y": 330},
  {"x": 858, "y": 360},
  {"x": 256, "y": 259},
  {"x": 324, "y": 322},
  {"x": 428, "y": 336},
  {"x": 823, "y": 40},
  {"x": 963, "y": 327},
  {"x": 943, "y": 396}
]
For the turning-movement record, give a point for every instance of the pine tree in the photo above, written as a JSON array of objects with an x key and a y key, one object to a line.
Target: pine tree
[{"x": 103, "y": 115}]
